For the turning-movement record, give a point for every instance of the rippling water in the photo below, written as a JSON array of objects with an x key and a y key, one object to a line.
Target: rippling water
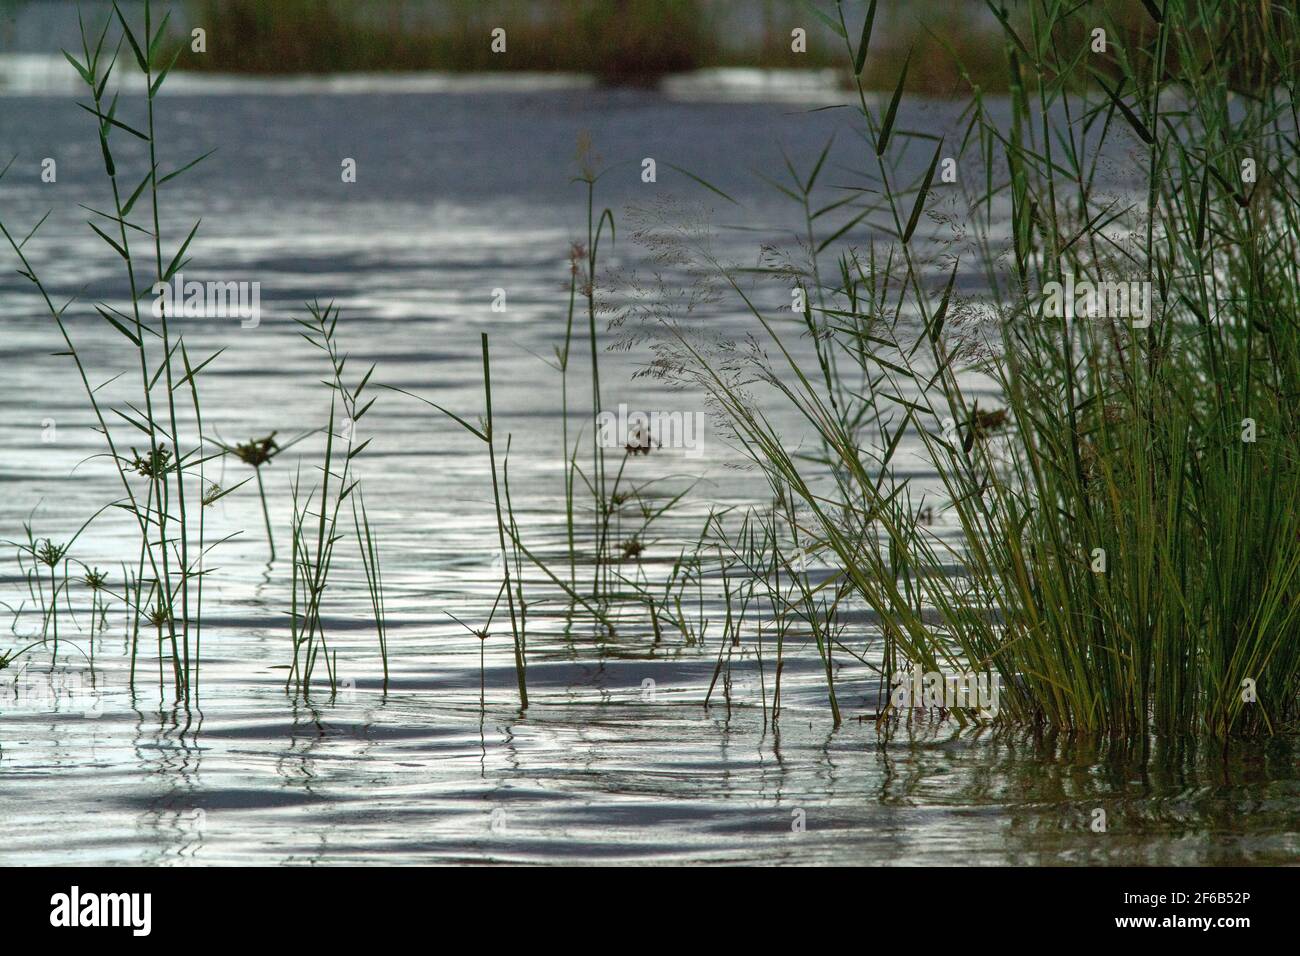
[{"x": 460, "y": 194}]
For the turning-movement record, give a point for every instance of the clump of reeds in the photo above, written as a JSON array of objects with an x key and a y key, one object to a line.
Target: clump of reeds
[
  {"x": 1127, "y": 550},
  {"x": 42, "y": 559},
  {"x": 131, "y": 220},
  {"x": 316, "y": 532},
  {"x": 601, "y": 543}
]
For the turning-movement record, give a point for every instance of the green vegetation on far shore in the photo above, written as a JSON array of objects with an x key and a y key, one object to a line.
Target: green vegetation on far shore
[
  {"x": 950, "y": 48},
  {"x": 634, "y": 42}
]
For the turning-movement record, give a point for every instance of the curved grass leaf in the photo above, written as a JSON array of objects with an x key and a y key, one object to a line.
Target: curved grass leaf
[
  {"x": 703, "y": 182},
  {"x": 861, "y": 59},
  {"x": 887, "y": 124},
  {"x": 919, "y": 206}
]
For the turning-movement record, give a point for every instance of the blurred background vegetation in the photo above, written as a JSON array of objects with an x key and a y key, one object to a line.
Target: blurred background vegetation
[
  {"x": 629, "y": 42},
  {"x": 955, "y": 44},
  {"x": 620, "y": 41}
]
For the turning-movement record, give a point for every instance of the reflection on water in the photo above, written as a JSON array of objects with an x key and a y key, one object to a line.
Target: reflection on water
[
  {"x": 458, "y": 195},
  {"x": 257, "y": 779}
]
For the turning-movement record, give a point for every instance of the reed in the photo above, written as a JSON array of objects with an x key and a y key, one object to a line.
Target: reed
[
  {"x": 482, "y": 633},
  {"x": 256, "y": 453},
  {"x": 505, "y": 519},
  {"x": 596, "y": 222},
  {"x": 488, "y": 435},
  {"x": 368, "y": 542}
]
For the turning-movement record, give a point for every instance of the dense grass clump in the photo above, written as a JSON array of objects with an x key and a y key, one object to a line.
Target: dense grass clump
[{"x": 1121, "y": 538}]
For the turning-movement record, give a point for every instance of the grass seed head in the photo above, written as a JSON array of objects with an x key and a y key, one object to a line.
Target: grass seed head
[
  {"x": 257, "y": 451},
  {"x": 95, "y": 579},
  {"x": 155, "y": 464},
  {"x": 50, "y": 554}
]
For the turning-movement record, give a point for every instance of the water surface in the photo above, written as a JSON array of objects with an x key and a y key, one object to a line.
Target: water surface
[{"x": 461, "y": 193}]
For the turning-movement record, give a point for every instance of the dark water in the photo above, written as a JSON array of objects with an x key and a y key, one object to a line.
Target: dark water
[{"x": 459, "y": 195}]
